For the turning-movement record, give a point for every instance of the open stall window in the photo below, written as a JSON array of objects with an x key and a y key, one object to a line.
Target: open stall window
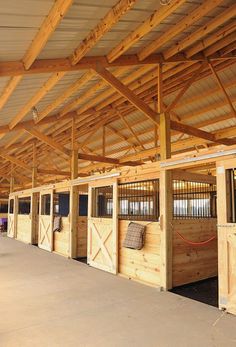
[
  {"x": 24, "y": 205},
  {"x": 102, "y": 198},
  {"x": 231, "y": 203},
  {"x": 3, "y": 207},
  {"x": 139, "y": 200},
  {"x": 61, "y": 204},
  {"x": 45, "y": 204},
  {"x": 83, "y": 205},
  {"x": 11, "y": 206},
  {"x": 192, "y": 200}
]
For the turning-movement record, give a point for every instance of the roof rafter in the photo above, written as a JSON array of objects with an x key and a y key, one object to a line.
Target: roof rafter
[
  {"x": 48, "y": 26},
  {"x": 188, "y": 20},
  {"x": 111, "y": 18}
]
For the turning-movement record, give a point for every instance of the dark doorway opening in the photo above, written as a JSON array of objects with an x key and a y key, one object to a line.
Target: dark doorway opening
[
  {"x": 205, "y": 291},
  {"x": 82, "y": 259}
]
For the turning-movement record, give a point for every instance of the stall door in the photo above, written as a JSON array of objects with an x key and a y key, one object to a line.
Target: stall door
[
  {"x": 23, "y": 230},
  {"x": 226, "y": 194},
  {"x": 45, "y": 233},
  {"x": 11, "y": 220},
  {"x": 102, "y": 227}
]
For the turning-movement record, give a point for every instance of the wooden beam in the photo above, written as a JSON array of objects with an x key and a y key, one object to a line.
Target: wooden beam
[
  {"x": 114, "y": 161},
  {"x": 65, "y": 95},
  {"x": 48, "y": 26},
  {"x": 130, "y": 128},
  {"x": 149, "y": 24},
  {"x": 212, "y": 43},
  {"x": 184, "y": 89},
  {"x": 222, "y": 88},
  {"x": 74, "y": 151},
  {"x": 211, "y": 25},
  {"x": 8, "y": 90},
  {"x": 49, "y": 84},
  {"x": 111, "y": 18},
  {"x": 15, "y": 161},
  {"x": 40, "y": 66},
  {"x": 182, "y": 25},
  {"x": 144, "y": 108},
  {"x": 98, "y": 158},
  {"x": 126, "y": 92},
  {"x": 12, "y": 179},
  {"x": 54, "y": 172},
  {"x": 34, "y": 167},
  {"x": 48, "y": 140}
]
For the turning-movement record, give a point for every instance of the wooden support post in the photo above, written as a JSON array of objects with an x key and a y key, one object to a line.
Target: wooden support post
[
  {"x": 165, "y": 193},
  {"x": 223, "y": 203},
  {"x": 34, "y": 199},
  {"x": 74, "y": 195},
  {"x": 34, "y": 168},
  {"x": 12, "y": 179},
  {"x": 103, "y": 141}
]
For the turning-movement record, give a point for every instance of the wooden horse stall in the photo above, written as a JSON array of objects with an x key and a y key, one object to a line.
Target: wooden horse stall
[
  {"x": 12, "y": 215},
  {"x": 82, "y": 222},
  {"x": 138, "y": 201},
  {"x": 61, "y": 213},
  {"x": 102, "y": 225},
  {"x": 24, "y": 219},
  {"x": 194, "y": 227},
  {"x": 226, "y": 206}
]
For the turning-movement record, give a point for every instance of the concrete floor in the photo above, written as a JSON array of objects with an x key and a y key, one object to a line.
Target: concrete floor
[{"x": 47, "y": 300}]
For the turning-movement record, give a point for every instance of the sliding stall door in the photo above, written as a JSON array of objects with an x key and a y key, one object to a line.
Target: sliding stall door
[
  {"x": 102, "y": 230},
  {"x": 12, "y": 216},
  {"x": 45, "y": 233},
  {"x": 226, "y": 241}
]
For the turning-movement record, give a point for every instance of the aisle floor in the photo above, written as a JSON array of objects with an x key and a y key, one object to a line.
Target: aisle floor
[{"x": 47, "y": 300}]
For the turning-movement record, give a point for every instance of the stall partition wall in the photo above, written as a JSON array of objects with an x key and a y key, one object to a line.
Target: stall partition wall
[
  {"x": 141, "y": 265},
  {"x": 24, "y": 219},
  {"x": 82, "y": 236},
  {"x": 12, "y": 214},
  {"x": 103, "y": 230},
  {"x": 227, "y": 235},
  {"x": 192, "y": 262}
]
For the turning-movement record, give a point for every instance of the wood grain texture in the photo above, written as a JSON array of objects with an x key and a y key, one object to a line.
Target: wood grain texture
[{"x": 190, "y": 263}]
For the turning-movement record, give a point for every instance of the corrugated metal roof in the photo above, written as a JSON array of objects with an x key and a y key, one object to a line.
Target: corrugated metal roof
[{"x": 20, "y": 21}]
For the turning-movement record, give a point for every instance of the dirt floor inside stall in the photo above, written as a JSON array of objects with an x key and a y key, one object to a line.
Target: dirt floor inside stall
[
  {"x": 48, "y": 300},
  {"x": 205, "y": 291}
]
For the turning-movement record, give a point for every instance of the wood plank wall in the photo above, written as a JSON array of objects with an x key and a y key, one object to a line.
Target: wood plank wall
[
  {"x": 194, "y": 263},
  {"x": 141, "y": 265},
  {"x": 23, "y": 230},
  {"x": 82, "y": 236},
  {"x": 61, "y": 238}
]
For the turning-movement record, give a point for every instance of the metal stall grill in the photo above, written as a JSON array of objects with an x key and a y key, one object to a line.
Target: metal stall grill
[
  {"x": 193, "y": 200},
  {"x": 139, "y": 200}
]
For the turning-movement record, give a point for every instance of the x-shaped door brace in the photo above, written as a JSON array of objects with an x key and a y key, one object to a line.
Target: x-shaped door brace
[
  {"x": 101, "y": 243},
  {"x": 45, "y": 229}
]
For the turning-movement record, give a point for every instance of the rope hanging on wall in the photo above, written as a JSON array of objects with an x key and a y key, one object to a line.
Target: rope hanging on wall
[
  {"x": 202, "y": 243},
  {"x": 165, "y": 2}
]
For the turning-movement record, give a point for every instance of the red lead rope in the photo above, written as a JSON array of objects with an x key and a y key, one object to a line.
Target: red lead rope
[{"x": 202, "y": 243}]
